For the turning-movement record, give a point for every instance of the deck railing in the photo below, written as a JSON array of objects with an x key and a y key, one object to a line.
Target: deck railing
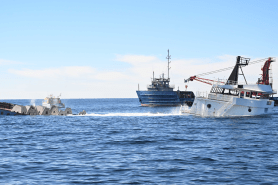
[
  {"x": 152, "y": 86},
  {"x": 221, "y": 97},
  {"x": 201, "y": 94}
]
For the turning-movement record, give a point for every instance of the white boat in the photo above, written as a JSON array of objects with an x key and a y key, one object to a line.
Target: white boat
[
  {"x": 52, "y": 101},
  {"x": 235, "y": 99}
]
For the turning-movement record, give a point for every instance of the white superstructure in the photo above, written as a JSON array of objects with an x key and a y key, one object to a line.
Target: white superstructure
[
  {"x": 52, "y": 101},
  {"x": 233, "y": 98}
]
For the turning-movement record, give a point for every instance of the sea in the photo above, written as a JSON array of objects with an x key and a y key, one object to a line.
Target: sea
[{"x": 121, "y": 142}]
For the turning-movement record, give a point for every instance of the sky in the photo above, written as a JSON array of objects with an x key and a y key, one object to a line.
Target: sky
[{"x": 104, "y": 49}]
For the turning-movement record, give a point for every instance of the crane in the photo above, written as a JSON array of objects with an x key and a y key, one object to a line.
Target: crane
[
  {"x": 233, "y": 79},
  {"x": 266, "y": 73}
]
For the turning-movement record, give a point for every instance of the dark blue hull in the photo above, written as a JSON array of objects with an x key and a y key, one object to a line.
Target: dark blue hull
[
  {"x": 165, "y": 98},
  {"x": 6, "y": 112},
  {"x": 275, "y": 99}
]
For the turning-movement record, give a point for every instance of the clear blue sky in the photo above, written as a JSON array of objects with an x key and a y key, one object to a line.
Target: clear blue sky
[{"x": 42, "y": 36}]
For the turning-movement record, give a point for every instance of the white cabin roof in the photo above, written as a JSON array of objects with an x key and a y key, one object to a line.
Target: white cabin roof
[{"x": 255, "y": 88}]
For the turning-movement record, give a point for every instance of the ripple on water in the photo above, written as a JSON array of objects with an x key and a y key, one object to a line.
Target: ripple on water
[{"x": 121, "y": 142}]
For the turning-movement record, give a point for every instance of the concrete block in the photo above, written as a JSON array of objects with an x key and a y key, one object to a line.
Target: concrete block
[{"x": 20, "y": 109}]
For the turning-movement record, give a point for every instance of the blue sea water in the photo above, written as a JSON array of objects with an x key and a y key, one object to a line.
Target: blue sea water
[{"x": 120, "y": 142}]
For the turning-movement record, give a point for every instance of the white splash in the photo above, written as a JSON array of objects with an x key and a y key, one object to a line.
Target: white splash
[
  {"x": 184, "y": 109},
  {"x": 133, "y": 114},
  {"x": 33, "y": 102}
]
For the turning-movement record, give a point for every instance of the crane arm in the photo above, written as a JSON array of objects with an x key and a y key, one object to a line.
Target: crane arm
[{"x": 203, "y": 80}]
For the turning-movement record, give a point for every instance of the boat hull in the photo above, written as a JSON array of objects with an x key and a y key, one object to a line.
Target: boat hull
[
  {"x": 231, "y": 106},
  {"x": 275, "y": 99},
  {"x": 7, "y": 112},
  {"x": 164, "y": 98}
]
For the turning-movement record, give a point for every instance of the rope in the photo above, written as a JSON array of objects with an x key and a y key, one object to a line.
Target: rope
[{"x": 228, "y": 68}]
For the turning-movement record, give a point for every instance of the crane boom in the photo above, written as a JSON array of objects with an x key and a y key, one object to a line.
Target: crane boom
[
  {"x": 233, "y": 79},
  {"x": 204, "y": 80}
]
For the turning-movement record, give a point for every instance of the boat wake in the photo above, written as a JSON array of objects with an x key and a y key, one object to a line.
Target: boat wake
[{"x": 132, "y": 114}]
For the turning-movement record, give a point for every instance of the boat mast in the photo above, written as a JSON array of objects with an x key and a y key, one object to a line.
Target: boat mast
[
  {"x": 168, "y": 57},
  {"x": 240, "y": 61}
]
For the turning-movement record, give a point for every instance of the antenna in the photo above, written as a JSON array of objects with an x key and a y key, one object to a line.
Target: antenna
[{"x": 168, "y": 57}]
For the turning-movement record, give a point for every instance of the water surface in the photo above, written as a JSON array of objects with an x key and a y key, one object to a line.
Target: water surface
[{"x": 120, "y": 142}]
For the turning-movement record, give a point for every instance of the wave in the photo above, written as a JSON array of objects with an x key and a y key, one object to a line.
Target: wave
[{"x": 131, "y": 114}]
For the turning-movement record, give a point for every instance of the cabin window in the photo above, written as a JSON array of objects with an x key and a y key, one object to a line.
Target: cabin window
[
  {"x": 209, "y": 106},
  {"x": 8, "y": 114},
  {"x": 241, "y": 94},
  {"x": 249, "y": 110},
  {"x": 268, "y": 103},
  {"x": 46, "y": 112},
  {"x": 2, "y": 113},
  {"x": 265, "y": 110}
]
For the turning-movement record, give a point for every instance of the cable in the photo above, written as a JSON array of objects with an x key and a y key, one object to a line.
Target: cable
[{"x": 225, "y": 69}]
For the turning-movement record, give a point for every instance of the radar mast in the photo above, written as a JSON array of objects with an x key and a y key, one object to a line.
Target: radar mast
[{"x": 168, "y": 57}]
